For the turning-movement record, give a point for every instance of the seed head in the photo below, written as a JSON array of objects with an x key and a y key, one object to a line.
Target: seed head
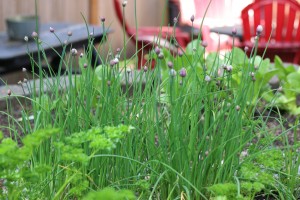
[
  {"x": 192, "y": 18},
  {"x": 51, "y": 29},
  {"x": 70, "y": 33},
  {"x": 8, "y": 92},
  {"x": 207, "y": 78},
  {"x": 34, "y": 35},
  {"x": 74, "y": 52},
  {"x": 259, "y": 30},
  {"x": 182, "y": 72},
  {"x": 170, "y": 64}
]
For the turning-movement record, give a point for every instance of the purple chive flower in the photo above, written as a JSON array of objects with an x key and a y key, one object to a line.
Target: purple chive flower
[
  {"x": 170, "y": 64},
  {"x": 51, "y": 29},
  {"x": 182, "y": 72},
  {"x": 34, "y": 34}
]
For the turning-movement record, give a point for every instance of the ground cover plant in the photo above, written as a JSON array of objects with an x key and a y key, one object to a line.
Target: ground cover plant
[{"x": 188, "y": 129}]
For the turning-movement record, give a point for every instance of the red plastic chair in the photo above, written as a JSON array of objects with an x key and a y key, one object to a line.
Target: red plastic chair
[
  {"x": 281, "y": 22},
  {"x": 147, "y": 37}
]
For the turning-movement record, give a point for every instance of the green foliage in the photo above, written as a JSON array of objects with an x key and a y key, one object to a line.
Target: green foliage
[{"x": 110, "y": 194}]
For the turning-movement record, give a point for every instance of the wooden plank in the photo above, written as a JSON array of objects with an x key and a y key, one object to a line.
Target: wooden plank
[{"x": 93, "y": 10}]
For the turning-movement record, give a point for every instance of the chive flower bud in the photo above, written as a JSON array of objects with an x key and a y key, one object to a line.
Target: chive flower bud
[
  {"x": 192, "y": 18},
  {"x": 34, "y": 34},
  {"x": 180, "y": 53},
  {"x": 26, "y": 38},
  {"x": 229, "y": 68},
  {"x": 25, "y": 80},
  {"x": 145, "y": 68},
  {"x": 24, "y": 69},
  {"x": 73, "y": 52},
  {"x": 175, "y": 20},
  {"x": 259, "y": 30},
  {"x": 8, "y": 92},
  {"x": 85, "y": 65},
  {"x": 182, "y": 72},
  {"x": 170, "y": 64},
  {"x": 157, "y": 50},
  {"x": 102, "y": 19},
  {"x": 160, "y": 55},
  {"x": 207, "y": 78},
  {"x": 246, "y": 48},
  {"x": 234, "y": 31},
  {"x": 69, "y": 33},
  {"x": 112, "y": 63},
  {"x": 237, "y": 108},
  {"x": 51, "y": 29},
  {"x": 124, "y": 3},
  {"x": 204, "y": 43},
  {"x": 81, "y": 55},
  {"x": 172, "y": 72}
]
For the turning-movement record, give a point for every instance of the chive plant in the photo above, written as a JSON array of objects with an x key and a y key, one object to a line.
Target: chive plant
[{"x": 165, "y": 133}]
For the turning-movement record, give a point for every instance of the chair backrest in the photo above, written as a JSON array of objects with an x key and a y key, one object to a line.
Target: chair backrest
[{"x": 283, "y": 16}]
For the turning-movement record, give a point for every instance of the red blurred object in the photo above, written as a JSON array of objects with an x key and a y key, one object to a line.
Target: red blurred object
[
  {"x": 148, "y": 37},
  {"x": 280, "y": 20}
]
